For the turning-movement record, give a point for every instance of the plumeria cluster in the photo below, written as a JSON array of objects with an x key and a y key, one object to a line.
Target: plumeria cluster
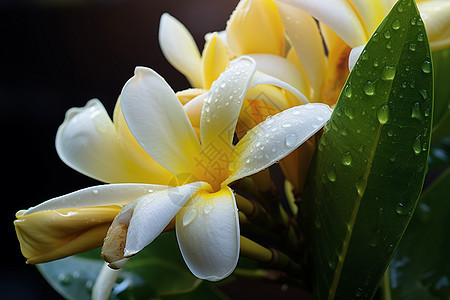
[{"x": 261, "y": 91}]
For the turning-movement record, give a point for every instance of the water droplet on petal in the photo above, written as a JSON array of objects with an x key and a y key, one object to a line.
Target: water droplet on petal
[
  {"x": 189, "y": 216},
  {"x": 286, "y": 125},
  {"x": 290, "y": 140},
  {"x": 208, "y": 208},
  {"x": 412, "y": 47},
  {"x": 387, "y": 34},
  {"x": 95, "y": 192},
  {"x": 65, "y": 278}
]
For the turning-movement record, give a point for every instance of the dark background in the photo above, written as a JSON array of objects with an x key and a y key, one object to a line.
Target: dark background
[{"x": 56, "y": 55}]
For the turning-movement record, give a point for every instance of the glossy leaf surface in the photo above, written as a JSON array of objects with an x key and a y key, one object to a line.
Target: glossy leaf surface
[
  {"x": 420, "y": 268},
  {"x": 158, "y": 271},
  {"x": 369, "y": 168}
]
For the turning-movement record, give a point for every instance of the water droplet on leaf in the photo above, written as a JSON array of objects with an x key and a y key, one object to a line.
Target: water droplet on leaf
[
  {"x": 396, "y": 24},
  {"x": 369, "y": 88},
  {"x": 415, "y": 112},
  {"x": 383, "y": 114},
  {"x": 388, "y": 73},
  {"x": 426, "y": 67},
  {"x": 347, "y": 159}
]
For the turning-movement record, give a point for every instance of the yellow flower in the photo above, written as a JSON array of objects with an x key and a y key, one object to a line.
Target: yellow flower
[
  {"x": 203, "y": 205},
  {"x": 346, "y": 26}
]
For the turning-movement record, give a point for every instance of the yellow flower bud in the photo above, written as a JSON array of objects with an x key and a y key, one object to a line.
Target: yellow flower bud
[
  {"x": 256, "y": 27},
  {"x": 53, "y": 234}
]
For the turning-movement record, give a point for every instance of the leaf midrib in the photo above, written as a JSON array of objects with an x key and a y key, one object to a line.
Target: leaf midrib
[{"x": 346, "y": 242}]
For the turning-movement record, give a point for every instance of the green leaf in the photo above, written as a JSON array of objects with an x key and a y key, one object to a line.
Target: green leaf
[
  {"x": 441, "y": 122},
  {"x": 420, "y": 268},
  {"x": 158, "y": 271},
  {"x": 369, "y": 168}
]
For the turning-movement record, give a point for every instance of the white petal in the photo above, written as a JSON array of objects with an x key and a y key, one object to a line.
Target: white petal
[
  {"x": 282, "y": 69},
  {"x": 104, "y": 283},
  {"x": 208, "y": 234},
  {"x": 338, "y": 15},
  {"x": 276, "y": 137},
  {"x": 262, "y": 78},
  {"x": 87, "y": 141},
  {"x": 222, "y": 106},
  {"x": 354, "y": 55},
  {"x": 157, "y": 120},
  {"x": 108, "y": 194},
  {"x": 151, "y": 213},
  {"x": 305, "y": 37},
  {"x": 180, "y": 49}
]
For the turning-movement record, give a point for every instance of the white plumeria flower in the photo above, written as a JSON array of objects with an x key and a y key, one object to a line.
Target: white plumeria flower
[{"x": 204, "y": 207}]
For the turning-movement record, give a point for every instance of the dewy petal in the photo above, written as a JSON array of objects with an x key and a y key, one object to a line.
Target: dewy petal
[
  {"x": 108, "y": 194},
  {"x": 214, "y": 60},
  {"x": 436, "y": 16},
  {"x": 208, "y": 234},
  {"x": 338, "y": 15},
  {"x": 306, "y": 40},
  {"x": 276, "y": 137},
  {"x": 180, "y": 49},
  {"x": 354, "y": 55},
  {"x": 220, "y": 113},
  {"x": 88, "y": 142},
  {"x": 256, "y": 27},
  {"x": 282, "y": 69},
  {"x": 157, "y": 120},
  {"x": 142, "y": 220}
]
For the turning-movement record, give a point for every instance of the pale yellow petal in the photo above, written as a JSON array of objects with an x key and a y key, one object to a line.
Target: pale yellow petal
[
  {"x": 436, "y": 16},
  {"x": 256, "y": 27},
  {"x": 89, "y": 142},
  {"x": 214, "y": 60},
  {"x": 180, "y": 49},
  {"x": 282, "y": 69},
  {"x": 338, "y": 15},
  {"x": 157, "y": 120},
  {"x": 306, "y": 41},
  {"x": 337, "y": 68}
]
